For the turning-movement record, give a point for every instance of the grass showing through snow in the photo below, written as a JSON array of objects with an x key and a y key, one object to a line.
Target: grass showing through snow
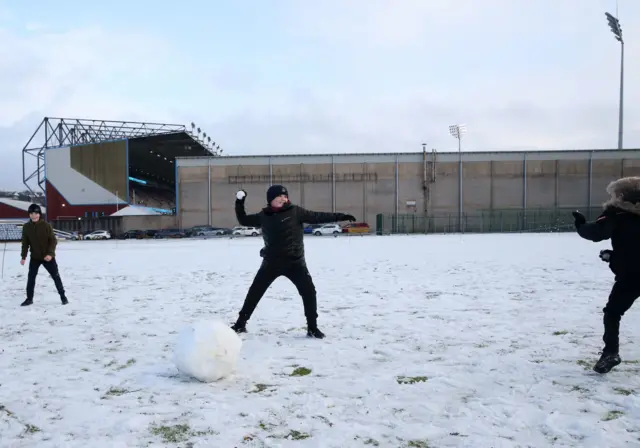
[{"x": 473, "y": 341}]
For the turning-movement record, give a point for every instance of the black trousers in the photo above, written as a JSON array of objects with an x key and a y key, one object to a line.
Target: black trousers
[
  {"x": 295, "y": 271},
  {"x": 623, "y": 294},
  {"x": 52, "y": 269}
]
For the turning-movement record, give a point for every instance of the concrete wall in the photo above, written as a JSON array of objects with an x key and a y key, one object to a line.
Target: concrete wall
[
  {"x": 148, "y": 222},
  {"x": 368, "y": 184}
]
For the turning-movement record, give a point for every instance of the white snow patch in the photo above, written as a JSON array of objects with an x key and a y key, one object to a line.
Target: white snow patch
[{"x": 471, "y": 341}]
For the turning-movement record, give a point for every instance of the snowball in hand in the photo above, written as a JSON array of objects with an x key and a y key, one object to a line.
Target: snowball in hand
[
  {"x": 207, "y": 351},
  {"x": 241, "y": 195}
]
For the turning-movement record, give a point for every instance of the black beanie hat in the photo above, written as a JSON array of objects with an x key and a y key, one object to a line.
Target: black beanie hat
[
  {"x": 274, "y": 191},
  {"x": 35, "y": 208}
]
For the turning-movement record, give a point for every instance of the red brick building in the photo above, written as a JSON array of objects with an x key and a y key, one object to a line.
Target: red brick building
[{"x": 12, "y": 209}]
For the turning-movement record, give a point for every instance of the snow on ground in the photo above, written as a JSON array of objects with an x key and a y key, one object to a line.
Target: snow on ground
[{"x": 439, "y": 341}]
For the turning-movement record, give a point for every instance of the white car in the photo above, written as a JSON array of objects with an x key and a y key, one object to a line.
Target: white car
[
  {"x": 328, "y": 229},
  {"x": 246, "y": 231},
  {"x": 98, "y": 235}
]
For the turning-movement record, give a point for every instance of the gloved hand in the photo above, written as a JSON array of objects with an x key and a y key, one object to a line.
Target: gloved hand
[
  {"x": 241, "y": 195},
  {"x": 349, "y": 218},
  {"x": 605, "y": 255},
  {"x": 579, "y": 218}
]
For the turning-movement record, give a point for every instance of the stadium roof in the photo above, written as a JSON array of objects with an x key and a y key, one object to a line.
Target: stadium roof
[
  {"x": 153, "y": 157},
  {"x": 134, "y": 210},
  {"x": 56, "y": 132},
  {"x": 20, "y": 205}
]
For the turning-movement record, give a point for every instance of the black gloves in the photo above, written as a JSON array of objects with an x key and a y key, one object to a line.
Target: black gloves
[
  {"x": 343, "y": 217},
  {"x": 241, "y": 195},
  {"x": 605, "y": 255},
  {"x": 579, "y": 218}
]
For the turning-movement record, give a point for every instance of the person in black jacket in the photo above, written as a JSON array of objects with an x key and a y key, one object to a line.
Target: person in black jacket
[
  {"x": 283, "y": 252},
  {"x": 39, "y": 239},
  {"x": 619, "y": 222}
]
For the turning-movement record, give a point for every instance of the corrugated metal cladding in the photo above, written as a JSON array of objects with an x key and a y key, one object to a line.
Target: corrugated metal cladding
[{"x": 404, "y": 183}]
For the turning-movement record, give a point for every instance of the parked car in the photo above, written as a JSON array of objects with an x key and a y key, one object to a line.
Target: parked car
[
  {"x": 328, "y": 229},
  {"x": 170, "y": 233},
  {"x": 211, "y": 231},
  {"x": 62, "y": 235},
  {"x": 98, "y": 235},
  {"x": 133, "y": 234},
  {"x": 197, "y": 230},
  {"x": 246, "y": 231},
  {"x": 356, "y": 227},
  {"x": 311, "y": 227}
]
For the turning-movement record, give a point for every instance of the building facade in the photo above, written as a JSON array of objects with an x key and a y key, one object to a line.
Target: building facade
[{"x": 422, "y": 184}]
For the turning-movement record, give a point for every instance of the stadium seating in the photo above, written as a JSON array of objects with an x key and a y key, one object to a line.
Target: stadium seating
[
  {"x": 153, "y": 197},
  {"x": 10, "y": 232}
]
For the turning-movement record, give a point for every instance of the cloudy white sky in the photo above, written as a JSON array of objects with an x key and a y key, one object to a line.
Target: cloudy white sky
[{"x": 297, "y": 76}]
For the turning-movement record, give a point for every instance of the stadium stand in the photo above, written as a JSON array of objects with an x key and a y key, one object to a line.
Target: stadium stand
[
  {"x": 10, "y": 232},
  {"x": 96, "y": 167}
]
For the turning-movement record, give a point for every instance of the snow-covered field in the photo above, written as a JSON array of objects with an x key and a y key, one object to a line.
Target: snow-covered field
[{"x": 433, "y": 341}]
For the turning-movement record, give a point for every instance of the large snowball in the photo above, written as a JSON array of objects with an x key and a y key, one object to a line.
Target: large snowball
[{"x": 207, "y": 351}]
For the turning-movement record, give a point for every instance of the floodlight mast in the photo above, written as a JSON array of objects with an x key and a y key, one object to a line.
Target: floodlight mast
[
  {"x": 457, "y": 131},
  {"x": 616, "y": 29}
]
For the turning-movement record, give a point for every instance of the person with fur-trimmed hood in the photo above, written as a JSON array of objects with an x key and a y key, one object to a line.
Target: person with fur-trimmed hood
[
  {"x": 620, "y": 222},
  {"x": 283, "y": 252},
  {"x": 38, "y": 237}
]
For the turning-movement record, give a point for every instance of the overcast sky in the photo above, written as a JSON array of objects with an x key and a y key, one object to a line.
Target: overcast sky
[{"x": 297, "y": 76}]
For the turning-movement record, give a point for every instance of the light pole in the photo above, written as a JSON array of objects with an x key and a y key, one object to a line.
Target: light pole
[
  {"x": 616, "y": 29},
  {"x": 457, "y": 131}
]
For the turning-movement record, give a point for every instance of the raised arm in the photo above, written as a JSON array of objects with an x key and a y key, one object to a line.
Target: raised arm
[
  {"x": 244, "y": 219},
  {"x": 596, "y": 231},
  {"x": 311, "y": 217}
]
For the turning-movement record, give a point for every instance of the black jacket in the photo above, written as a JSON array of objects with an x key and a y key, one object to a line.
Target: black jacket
[
  {"x": 282, "y": 229},
  {"x": 40, "y": 238},
  {"x": 620, "y": 222}
]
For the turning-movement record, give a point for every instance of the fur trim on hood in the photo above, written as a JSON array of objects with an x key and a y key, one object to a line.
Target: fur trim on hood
[{"x": 625, "y": 194}]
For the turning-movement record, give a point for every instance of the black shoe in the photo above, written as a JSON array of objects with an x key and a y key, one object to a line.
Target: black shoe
[
  {"x": 315, "y": 333},
  {"x": 64, "y": 300},
  {"x": 239, "y": 327},
  {"x": 607, "y": 362},
  {"x": 27, "y": 302}
]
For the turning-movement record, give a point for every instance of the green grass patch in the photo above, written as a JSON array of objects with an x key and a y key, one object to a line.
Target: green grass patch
[
  {"x": 612, "y": 415},
  {"x": 300, "y": 371},
  {"x": 622, "y": 391},
  {"x": 129, "y": 363},
  {"x": 411, "y": 379}
]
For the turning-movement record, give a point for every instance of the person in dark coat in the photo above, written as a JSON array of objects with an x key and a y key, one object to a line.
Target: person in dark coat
[
  {"x": 38, "y": 237},
  {"x": 283, "y": 252},
  {"x": 619, "y": 222}
]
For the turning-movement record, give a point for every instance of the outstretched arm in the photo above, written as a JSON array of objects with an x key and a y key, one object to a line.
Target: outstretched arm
[
  {"x": 311, "y": 217},
  {"x": 596, "y": 231},
  {"x": 244, "y": 219}
]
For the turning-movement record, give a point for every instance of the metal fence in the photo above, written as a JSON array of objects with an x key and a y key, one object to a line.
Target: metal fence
[
  {"x": 87, "y": 225},
  {"x": 493, "y": 221}
]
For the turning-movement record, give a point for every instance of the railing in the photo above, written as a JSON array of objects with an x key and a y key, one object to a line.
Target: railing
[{"x": 493, "y": 221}]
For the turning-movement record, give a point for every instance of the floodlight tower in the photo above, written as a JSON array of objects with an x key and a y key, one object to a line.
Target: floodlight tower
[
  {"x": 457, "y": 131},
  {"x": 616, "y": 29}
]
